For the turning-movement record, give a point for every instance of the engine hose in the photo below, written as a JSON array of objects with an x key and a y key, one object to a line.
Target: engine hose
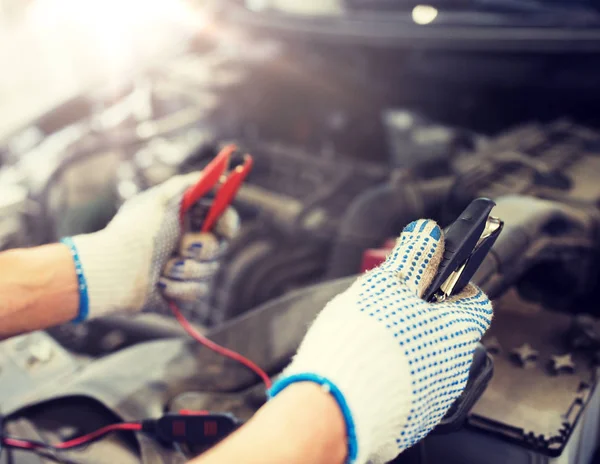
[
  {"x": 488, "y": 174},
  {"x": 299, "y": 275},
  {"x": 321, "y": 196},
  {"x": 237, "y": 266},
  {"x": 380, "y": 213},
  {"x": 45, "y": 226},
  {"x": 255, "y": 286},
  {"x": 282, "y": 272}
]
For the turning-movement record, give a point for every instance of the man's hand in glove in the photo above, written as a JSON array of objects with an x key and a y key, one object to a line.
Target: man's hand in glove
[
  {"x": 144, "y": 252},
  {"x": 377, "y": 370}
]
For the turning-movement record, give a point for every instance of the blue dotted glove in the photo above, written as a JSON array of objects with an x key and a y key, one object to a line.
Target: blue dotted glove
[{"x": 394, "y": 362}]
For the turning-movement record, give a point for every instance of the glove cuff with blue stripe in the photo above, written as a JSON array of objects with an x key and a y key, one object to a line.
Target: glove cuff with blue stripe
[{"x": 398, "y": 362}]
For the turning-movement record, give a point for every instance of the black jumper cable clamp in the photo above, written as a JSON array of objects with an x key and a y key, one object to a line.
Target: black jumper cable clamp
[{"x": 467, "y": 242}]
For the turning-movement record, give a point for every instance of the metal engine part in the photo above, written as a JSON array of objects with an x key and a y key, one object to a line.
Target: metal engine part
[{"x": 342, "y": 163}]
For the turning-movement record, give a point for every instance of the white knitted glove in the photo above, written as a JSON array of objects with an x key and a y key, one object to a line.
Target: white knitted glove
[
  {"x": 394, "y": 363},
  {"x": 123, "y": 265}
]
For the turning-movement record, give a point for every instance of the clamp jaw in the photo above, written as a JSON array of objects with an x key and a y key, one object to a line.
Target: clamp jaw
[
  {"x": 220, "y": 183},
  {"x": 467, "y": 242}
]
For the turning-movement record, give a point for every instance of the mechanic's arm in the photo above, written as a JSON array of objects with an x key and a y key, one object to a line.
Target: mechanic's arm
[
  {"x": 38, "y": 288},
  {"x": 377, "y": 370},
  {"x": 302, "y": 425},
  {"x": 140, "y": 256}
]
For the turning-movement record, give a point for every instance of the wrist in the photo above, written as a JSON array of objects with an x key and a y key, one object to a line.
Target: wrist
[
  {"x": 302, "y": 424},
  {"x": 308, "y": 406},
  {"x": 39, "y": 289},
  {"x": 354, "y": 353},
  {"x": 111, "y": 267},
  {"x": 328, "y": 388}
]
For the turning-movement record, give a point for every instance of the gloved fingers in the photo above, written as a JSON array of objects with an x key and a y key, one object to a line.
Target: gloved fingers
[
  {"x": 157, "y": 199},
  {"x": 417, "y": 255},
  {"x": 186, "y": 291},
  {"x": 471, "y": 307},
  {"x": 201, "y": 246},
  {"x": 189, "y": 269},
  {"x": 228, "y": 224},
  {"x": 466, "y": 294},
  {"x": 175, "y": 186}
]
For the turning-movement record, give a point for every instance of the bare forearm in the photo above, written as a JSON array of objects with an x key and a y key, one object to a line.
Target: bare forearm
[
  {"x": 301, "y": 425},
  {"x": 38, "y": 289}
]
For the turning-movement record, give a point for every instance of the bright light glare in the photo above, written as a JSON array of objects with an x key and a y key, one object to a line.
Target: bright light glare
[
  {"x": 424, "y": 14},
  {"x": 116, "y": 34}
]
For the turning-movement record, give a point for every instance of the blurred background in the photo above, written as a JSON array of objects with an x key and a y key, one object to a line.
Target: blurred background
[
  {"x": 58, "y": 49},
  {"x": 361, "y": 115}
]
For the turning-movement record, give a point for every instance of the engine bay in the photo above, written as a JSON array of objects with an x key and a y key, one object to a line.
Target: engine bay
[{"x": 350, "y": 144}]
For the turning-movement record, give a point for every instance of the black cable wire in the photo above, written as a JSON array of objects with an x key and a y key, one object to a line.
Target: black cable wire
[
  {"x": 422, "y": 453},
  {"x": 180, "y": 450},
  {"x": 52, "y": 452},
  {"x": 1, "y": 432}
]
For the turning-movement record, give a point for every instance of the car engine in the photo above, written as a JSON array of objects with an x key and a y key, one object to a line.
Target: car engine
[{"x": 351, "y": 142}]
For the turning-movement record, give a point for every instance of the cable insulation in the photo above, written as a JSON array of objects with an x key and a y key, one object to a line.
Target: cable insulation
[
  {"x": 218, "y": 348},
  {"x": 75, "y": 442}
]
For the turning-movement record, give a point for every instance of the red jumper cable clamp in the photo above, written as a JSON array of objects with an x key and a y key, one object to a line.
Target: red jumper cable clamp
[{"x": 216, "y": 178}]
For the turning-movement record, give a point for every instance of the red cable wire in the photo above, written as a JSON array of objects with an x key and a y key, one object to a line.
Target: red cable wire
[
  {"x": 217, "y": 166},
  {"x": 97, "y": 434},
  {"x": 218, "y": 348},
  {"x": 75, "y": 442},
  {"x": 16, "y": 443}
]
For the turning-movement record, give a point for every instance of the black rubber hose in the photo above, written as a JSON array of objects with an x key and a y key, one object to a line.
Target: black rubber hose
[
  {"x": 45, "y": 222},
  {"x": 292, "y": 268},
  {"x": 380, "y": 213}
]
